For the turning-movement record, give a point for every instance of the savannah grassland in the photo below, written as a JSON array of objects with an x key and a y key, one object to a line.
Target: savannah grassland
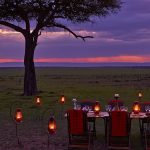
[{"x": 81, "y": 83}]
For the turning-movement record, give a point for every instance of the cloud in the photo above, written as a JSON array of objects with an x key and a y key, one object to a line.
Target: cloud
[
  {"x": 126, "y": 58},
  {"x": 117, "y": 37}
]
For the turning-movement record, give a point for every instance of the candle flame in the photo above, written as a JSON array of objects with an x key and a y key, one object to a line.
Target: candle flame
[
  {"x": 18, "y": 116},
  {"x": 51, "y": 126},
  {"x": 97, "y": 108},
  {"x": 38, "y": 100},
  {"x": 63, "y": 99},
  {"x": 140, "y": 94},
  {"x": 136, "y": 107}
]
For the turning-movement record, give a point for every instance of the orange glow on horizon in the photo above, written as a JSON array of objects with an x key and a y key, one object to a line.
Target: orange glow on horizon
[
  {"x": 9, "y": 60},
  {"x": 132, "y": 59},
  {"x": 139, "y": 59}
]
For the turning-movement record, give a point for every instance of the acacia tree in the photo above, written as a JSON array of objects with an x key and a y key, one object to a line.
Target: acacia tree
[{"x": 20, "y": 14}]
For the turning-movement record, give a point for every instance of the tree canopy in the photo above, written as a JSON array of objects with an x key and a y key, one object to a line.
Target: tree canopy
[
  {"x": 48, "y": 13},
  {"x": 20, "y": 15}
]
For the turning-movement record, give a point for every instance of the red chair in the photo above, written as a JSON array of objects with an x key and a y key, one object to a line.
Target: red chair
[
  {"x": 79, "y": 134},
  {"x": 119, "y": 130}
]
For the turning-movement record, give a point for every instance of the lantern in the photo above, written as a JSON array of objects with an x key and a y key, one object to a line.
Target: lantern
[
  {"x": 62, "y": 100},
  {"x": 38, "y": 101},
  {"x": 97, "y": 108},
  {"x": 18, "y": 115},
  {"x": 52, "y": 125},
  {"x": 136, "y": 107}
]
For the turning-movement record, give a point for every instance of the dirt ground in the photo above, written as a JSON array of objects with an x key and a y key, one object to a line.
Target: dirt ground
[{"x": 33, "y": 136}]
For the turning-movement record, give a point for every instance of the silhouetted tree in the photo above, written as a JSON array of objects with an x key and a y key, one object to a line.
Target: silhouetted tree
[{"x": 20, "y": 14}]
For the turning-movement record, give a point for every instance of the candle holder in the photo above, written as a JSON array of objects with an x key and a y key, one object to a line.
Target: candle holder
[
  {"x": 97, "y": 108},
  {"x": 18, "y": 119},
  {"x": 74, "y": 100},
  {"x": 51, "y": 128},
  {"x": 136, "y": 107},
  {"x": 37, "y": 104},
  {"x": 43, "y": 114},
  {"x": 62, "y": 102},
  {"x": 38, "y": 101},
  {"x": 116, "y": 96}
]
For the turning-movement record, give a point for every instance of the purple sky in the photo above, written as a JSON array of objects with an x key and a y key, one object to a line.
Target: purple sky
[{"x": 121, "y": 37}]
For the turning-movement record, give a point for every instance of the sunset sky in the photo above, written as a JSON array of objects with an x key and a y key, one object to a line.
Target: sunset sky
[{"x": 121, "y": 37}]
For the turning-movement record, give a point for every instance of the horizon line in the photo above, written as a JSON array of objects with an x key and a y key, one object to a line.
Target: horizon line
[{"x": 98, "y": 59}]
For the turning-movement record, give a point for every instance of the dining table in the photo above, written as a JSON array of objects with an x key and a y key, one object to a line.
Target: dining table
[
  {"x": 105, "y": 116},
  {"x": 141, "y": 116}
]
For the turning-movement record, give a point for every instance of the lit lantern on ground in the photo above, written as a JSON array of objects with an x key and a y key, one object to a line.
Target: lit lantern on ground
[
  {"x": 52, "y": 125},
  {"x": 18, "y": 115},
  {"x": 38, "y": 101},
  {"x": 136, "y": 107},
  {"x": 62, "y": 99},
  {"x": 97, "y": 108}
]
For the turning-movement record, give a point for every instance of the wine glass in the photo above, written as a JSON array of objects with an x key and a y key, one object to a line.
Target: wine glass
[
  {"x": 108, "y": 108},
  {"x": 78, "y": 106},
  {"x": 147, "y": 108},
  {"x": 123, "y": 108}
]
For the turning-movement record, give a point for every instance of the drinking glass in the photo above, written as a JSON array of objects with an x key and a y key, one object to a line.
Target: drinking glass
[
  {"x": 108, "y": 108},
  {"x": 123, "y": 108},
  {"x": 146, "y": 109},
  {"x": 78, "y": 106}
]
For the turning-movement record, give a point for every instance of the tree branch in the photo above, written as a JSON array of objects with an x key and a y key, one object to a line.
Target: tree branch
[
  {"x": 27, "y": 24},
  {"x": 10, "y": 25},
  {"x": 70, "y": 31},
  {"x": 23, "y": 15},
  {"x": 59, "y": 16}
]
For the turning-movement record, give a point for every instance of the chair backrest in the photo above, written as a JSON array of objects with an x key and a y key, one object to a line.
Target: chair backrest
[
  {"x": 143, "y": 105},
  {"x": 77, "y": 122},
  {"x": 119, "y": 123},
  {"x": 89, "y": 103},
  {"x": 114, "y": 102}
]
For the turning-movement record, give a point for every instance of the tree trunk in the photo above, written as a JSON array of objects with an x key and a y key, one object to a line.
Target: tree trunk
[{"x": 30, "y": 86}]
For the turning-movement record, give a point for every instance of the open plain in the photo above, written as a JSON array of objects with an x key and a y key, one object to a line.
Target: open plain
[{"x": 80, "y": 83}]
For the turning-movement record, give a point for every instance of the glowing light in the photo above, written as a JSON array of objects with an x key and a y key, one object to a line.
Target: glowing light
[
  {"x": 52, "y": 125},
  {"x": 136, "y": 107},
  {"x": 62, "y": 100},
  {"x": 97, "y": 108},
  {"x": 140, "y": 95},
  {"x": 18, "y": 115},
  {"x": 38, "y": 101}
]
